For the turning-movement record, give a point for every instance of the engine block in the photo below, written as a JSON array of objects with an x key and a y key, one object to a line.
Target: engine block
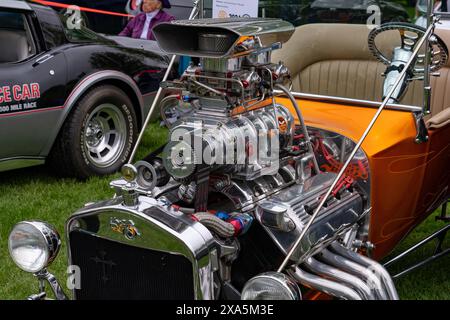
[{"x": 285, "y": 214}]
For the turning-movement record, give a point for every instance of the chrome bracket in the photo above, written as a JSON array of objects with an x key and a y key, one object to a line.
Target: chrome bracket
[
  {"x": 37, "y": 297},
  {"x": 130, "y": 195},
  {"x": 421, "y": 129},
  {"x": 57, "y": 290}
]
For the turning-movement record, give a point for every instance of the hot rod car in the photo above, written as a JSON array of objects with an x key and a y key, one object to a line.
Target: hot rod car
[
  {"x": 69, "y": 96},
  {"x": 262, "y": 192}
]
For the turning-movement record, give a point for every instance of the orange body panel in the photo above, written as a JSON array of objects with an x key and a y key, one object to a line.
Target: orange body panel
[{"x": 408, "y": 180}]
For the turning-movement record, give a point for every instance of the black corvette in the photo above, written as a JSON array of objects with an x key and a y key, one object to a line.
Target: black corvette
[{"x": 69, "y": 96}]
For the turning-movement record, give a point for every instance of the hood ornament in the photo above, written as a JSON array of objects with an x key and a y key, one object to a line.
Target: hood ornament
[{"x": 125, "y": 227}]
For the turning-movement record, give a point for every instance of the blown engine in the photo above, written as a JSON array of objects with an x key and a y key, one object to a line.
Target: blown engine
[{"x": 240, "y": 176}]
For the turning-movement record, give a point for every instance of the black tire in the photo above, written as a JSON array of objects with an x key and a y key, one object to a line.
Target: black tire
[{"x": 103, "y": 118}]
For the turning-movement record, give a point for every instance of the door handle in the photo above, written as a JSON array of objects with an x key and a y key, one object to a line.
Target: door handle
[{"x": 42, "y": 59}]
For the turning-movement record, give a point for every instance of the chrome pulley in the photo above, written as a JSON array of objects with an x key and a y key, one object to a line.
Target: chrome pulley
[
  {"x": 410, "y": 35},
  {"x": 179, "y": 159}
]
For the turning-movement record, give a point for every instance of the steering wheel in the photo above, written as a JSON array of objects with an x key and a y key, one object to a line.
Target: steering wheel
[{"x": 410, "y": 35}]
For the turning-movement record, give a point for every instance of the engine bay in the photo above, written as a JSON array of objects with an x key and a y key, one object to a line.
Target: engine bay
[{"x": 235, "y": 157}]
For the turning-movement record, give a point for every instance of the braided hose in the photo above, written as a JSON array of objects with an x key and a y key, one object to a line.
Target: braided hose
[{"x": 222, "y": 228}]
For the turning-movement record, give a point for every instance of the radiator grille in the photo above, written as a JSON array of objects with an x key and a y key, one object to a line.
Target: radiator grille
[{"x": 111, "y": 270}]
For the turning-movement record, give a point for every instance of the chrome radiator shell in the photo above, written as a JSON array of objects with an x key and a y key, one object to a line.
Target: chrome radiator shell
[{"x": 158, "y": 229}]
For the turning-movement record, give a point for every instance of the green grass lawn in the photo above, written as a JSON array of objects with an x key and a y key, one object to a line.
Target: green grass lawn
[{"x": 35, "y": 193}]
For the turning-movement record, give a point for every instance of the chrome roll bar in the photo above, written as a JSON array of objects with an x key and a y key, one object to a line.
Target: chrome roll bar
[{"x": 427, "y": 61}]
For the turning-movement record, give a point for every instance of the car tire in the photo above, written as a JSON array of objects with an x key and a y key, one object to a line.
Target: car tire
[{"x": 98, "y": 136}]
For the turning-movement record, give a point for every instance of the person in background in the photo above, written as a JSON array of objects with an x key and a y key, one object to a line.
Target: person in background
[
  {"x": 133, "y": 7},
  {"x": 141, "y": 26}
]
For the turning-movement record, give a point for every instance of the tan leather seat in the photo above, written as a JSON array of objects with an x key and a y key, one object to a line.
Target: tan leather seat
[{"x": 334, "y": 60}]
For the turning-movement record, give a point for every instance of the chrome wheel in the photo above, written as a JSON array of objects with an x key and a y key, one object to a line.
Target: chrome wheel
[{"x": 104, "y": 135}]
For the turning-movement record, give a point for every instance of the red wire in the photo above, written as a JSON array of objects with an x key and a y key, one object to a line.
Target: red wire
[{"x": 61, "y": 5}]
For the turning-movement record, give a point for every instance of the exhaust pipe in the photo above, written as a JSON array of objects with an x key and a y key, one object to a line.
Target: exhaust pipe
[
  {"x": 332, "y": 288},
  {"x": 377, "y": 269},
  {"x": 345, "y": 278},
  {"x": 345, "y": 274},
  {"x": 343, "y": 263}
]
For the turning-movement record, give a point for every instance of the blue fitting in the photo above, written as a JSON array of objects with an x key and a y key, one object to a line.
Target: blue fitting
[{"x": 222, "y": 215}]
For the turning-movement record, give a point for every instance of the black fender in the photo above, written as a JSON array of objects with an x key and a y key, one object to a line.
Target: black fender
[{"x": 86, "y": 83}]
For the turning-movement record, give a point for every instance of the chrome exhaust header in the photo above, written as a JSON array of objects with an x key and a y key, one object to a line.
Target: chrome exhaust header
[
  {"x": 372, "y": 265},
  {"x": 345, "y": 274},
  {"x": 318, "y": 283},
  {"x": 356, "y": 269},
  {"x": 330, "y": 272}
]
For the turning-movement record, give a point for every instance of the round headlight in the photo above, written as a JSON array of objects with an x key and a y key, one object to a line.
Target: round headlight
[
  {"x": 271, "y": 286},
  {"x": 129, "y": 172},
  {"x": 33, "y": 245}
]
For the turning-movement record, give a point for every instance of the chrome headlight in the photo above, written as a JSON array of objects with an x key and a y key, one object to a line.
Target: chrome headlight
[
  {"x": 271, "y": 286},
  {"x": 129, "y": 172},
  {"x": 33, "y": 245}
]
